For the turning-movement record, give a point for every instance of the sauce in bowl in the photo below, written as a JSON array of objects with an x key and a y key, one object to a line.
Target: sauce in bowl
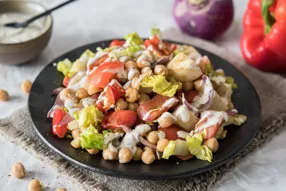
[{"x": 10, "y": 35}]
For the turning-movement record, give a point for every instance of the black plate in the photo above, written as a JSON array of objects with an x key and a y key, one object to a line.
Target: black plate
[{"x": 245, "y": 100}]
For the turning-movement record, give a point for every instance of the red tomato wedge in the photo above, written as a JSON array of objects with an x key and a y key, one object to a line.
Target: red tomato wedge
[
  {"x": 98, "y": 62},
  {"x": 66, "y": 81},
  {"x": 153, "y": 108},
  {"x": 104, "y": 73},
  {"x": 117, "y": 43},
  {"x": 113, "y": 93},
  {"x": 116, "y": 119},
  {"x": 59, "y": 130},
  {"x": 188, "y": 157},
  {"x": 171, "y": 132},
  {"x": 190, "y": 95},
  {"x": 212, "y": 131}
]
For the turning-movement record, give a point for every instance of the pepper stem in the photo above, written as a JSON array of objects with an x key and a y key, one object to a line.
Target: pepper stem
[{"x": 268, "y": 19}]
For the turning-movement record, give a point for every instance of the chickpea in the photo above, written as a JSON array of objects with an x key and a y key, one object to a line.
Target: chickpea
[
  {"x": 107, "y": 154},
  {"x": 35, "y": 185},
  {"x": 161, "y": 69},
  {"x": 165, "y": 121},
  {"x": 198, "y": 85},
  {"x": 143, "y": 98},
  {"x": 133, "y": 106},
  {"x": 131, "y": 95},
  {"x": 26, "y": 86},
  {"x": 4, "y": 96},
  {"x": 162, "y": 144},
  {"x": 121, "y": 104},
  {"x": 61, "y": 189},
  {"x": 135, "y": 83},
  {"x": 92, "y": 89},
  {"x": 122, "y": 80},
  {"x": 18, "y": 170},
  {"x": 148, "y": 149},
  {"x": 147, "y": 71},
  {"x": 127, "y": 85},
  {"x": 124, "y": 155},
  {"x": 212, "y": 144},
  {"x": 188, "y": 86},
  {"x": 138, "y": 153},
  {"x": 130, "y": 65},
  {"x": 76, "y": 133},
  {"x": 81, "y": 93},
  {"x": 75, "y": 143},
  {"x": 142, "y": 63},
  {"x": 152, "y": 137},
  {"x": 132, "y": 73},
  {"x": 93, "y": 151},
  {"x": 66, "y": 94},
  {"x": 148, "y": 157}
]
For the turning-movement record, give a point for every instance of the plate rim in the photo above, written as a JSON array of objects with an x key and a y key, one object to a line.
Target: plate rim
[{"x": 212, "y": 166}]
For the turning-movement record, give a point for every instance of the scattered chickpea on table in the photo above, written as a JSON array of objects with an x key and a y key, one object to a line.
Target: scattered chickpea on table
[{"x": 4, "y": 96}]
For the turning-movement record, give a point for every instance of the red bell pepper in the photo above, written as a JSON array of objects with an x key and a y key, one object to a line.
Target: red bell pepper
[
  {"x": 171, "y": 132},
  {"x": 98, "y": 62},
  {"x": 59, "y": 130},
  {"x": 116, "y": 119},
  {"x": 104, "y": 73},
  {"x": 264, "y": 38},
  {"x": 66, "y": 81},
  {"x": 113, "y": 93},
  {"x": 117, "y": 43}
]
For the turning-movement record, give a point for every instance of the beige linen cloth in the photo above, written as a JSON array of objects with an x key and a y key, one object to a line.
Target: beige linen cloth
[{"x": 270, "y": 87}]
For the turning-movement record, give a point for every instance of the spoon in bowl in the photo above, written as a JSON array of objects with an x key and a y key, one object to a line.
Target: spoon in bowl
[{"x": 27, "y": 22}]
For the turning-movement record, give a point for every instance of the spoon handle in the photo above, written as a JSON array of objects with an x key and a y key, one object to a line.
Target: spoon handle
[{"x": 47, "y": 12}]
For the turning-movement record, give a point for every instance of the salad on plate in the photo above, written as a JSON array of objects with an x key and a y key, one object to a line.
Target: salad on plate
[{"x": 144, "y": 100}]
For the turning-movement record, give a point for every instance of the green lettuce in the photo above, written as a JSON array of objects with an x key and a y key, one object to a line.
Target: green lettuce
[
  {"x": 155, "y": 31},
  {"x": 129, "y": 51},
  {"x": 64, "y": 66},
  {"x": 88, "y": 116},
  {"x": 91, "y": 139},
  {"x": 160, "y": 85},
  {"x": 236, "y": 120},
  {"x": 230, "y": 80},
  {"x": 133, "y": 39},
  {"x": 88, "y": 53},
  {"x": 196, "y": 148},
  {"x": 169, "y": 150}
]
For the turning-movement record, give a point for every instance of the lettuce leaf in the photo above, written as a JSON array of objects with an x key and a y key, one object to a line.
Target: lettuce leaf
[
  {"x": 91, "y": 139},
  {"x": 88, "y": 116},
  {"x": 64, "y": 66},
  {"x": 87, "y": 53},
  {"x": 155, "y": 31},
  {"x": 160, "y": 85},
  {"x": 236, "y": 120},
  {"x": 133, "y": 39},
  {"x": 196, "y": 148},
  {"x": 129, "y": 51},
  {"x": 169, "y": 150}
]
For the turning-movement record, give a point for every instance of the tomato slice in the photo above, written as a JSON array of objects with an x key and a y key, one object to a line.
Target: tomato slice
[
  {"x": 66, "y": 81},
  {"x": 152, "y": 109},
  {"x": 98, "y": 62},
  {"x": 114, "y": 120},
  {"x": 212, "y": 131},
  {"x": 59, "y": 130},
  {"x": 171, "y": 132},
  {"x": 104, "y": 73},
  {"x": 117, "y": 43},
  {"x": 190, "y": 95},
  {"x": 188, "y": 157},
  {"x": 114, "y": 93}
]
